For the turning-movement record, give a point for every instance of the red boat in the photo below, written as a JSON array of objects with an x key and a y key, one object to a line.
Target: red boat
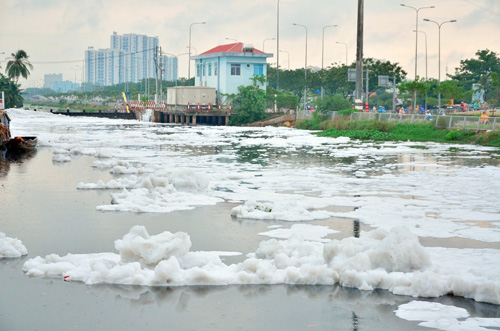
[{"x": 21, "y": 144}]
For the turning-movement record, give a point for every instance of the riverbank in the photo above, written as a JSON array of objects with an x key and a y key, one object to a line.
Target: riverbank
[{"x": 385, "y": 131}]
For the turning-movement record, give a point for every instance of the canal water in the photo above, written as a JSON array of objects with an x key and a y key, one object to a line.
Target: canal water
[{"x": 237, "y": 192}]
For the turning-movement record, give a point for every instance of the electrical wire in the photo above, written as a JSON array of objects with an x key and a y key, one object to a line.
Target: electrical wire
[
  {"x": 77, "y": 61},
  {"x": 483, "y": 8}
]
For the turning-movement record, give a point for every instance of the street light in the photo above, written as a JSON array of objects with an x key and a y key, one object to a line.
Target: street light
[
  {"x": 194, "y": 49},
  {"x": 345, "y": 44},
  {"x": 288, "y": 53},
  {"x": 426, "y": 77},
  {"x": 416, "y": 46},
  {"x": 323, "y": 44},
  {"x": 439, "y": 56},
  {"x": 176, "y": 57},
  {"x": 263, "y": 43},
  {"x": 189, "y": 60},
  {"x": 278, "y": 47},
  {"x": 305, "y": 69},
  {"x": 231, "y": 39}
]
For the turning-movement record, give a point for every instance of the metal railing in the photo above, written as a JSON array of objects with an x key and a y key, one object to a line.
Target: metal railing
[{"x": 449, "y": 122}]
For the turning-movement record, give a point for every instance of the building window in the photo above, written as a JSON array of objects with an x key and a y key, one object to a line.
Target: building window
[
  {"x": 235, "y": 69},
  {"x": 258, "y": 69},
  {"x": 215, "y": 69},
  {"x": 210, "y": 69},
  {"x": 198, "y": 70},
  {"x": 203, "y": 68}
]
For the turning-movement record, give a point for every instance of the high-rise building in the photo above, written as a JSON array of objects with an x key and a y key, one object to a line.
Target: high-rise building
[
  {"x": 130, "y": 58},
  {"x": 50, "y": 79},
  {"x": 169, "y": 67}
]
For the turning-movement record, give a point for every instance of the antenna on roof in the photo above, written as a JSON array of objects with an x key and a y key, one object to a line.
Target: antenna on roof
[{"x": 248, "y": 48}]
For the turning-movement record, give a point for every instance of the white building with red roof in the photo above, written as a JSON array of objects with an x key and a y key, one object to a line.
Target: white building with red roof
[{"x": 226, "y": 67}]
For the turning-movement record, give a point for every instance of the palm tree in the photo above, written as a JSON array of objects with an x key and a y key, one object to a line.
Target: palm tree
[
  {"x": 13, "y": 92},
  {"x": 18, "y": 65}
]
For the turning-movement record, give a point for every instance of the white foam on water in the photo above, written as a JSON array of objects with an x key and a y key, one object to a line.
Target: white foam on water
[
  {"x": 393, "y": 261},
  {"x": 11, "y": 247},
  {"x": 290, "y": 175},
  {"x": 443, "y": 317}
]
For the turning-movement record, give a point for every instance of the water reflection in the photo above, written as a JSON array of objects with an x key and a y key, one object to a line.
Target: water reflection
[
  {"x": 350, "y": 298},
  {"x": 7, "y": 158}
]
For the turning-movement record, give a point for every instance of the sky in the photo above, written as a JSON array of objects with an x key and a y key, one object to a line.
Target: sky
[{"x": 55, "y": 33}]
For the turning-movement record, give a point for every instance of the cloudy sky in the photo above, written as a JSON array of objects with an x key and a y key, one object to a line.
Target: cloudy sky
[{"x": 55, "y": 33}]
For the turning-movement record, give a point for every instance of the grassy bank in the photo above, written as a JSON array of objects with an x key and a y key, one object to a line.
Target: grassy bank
[{"x": 385, "y": 131}]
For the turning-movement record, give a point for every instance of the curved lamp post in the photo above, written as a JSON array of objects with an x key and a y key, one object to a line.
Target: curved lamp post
[
  {"x": 345, "y": 44},
  {"x": 263, "y": 43},
  {"x": 426, "y": 77},
  {"x": 439, "y": 56},
  {"x": 288, "y": 53},
  {"x": 189, "y": 60},
  {"x": 305, "y": 69},
  {"x": 323, "y": 43},
  {"x": 416, "y": 45}
]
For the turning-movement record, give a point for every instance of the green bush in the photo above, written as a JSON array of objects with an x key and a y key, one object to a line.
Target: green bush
[
  {"x": 442, "y": 122},
  {"x": 452, "y": 135},
  {"x": 332, "y": 103},
  {"x": 347, "y": 112}
]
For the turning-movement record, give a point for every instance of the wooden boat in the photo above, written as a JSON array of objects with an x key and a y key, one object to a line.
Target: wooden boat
[{"x": 21, "y": 144}]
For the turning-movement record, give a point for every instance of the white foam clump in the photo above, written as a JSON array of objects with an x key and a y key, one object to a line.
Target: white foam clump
[
  {"x": 301, "y": 231},
  {"x": 443, "y": 317},
  {"x": 275, "y": 211},
  {"x": 139, "y": 246},
  {"x": 163, "y": 191},
  {"x": 394, "y": 261},
  {"x": 11, "y": 247},
  {"x": 61, "y": 158}
]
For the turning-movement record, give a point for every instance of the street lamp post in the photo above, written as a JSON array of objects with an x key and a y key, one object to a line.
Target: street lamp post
[
  {"x": 426, "y": 77},
  {"x": 288, "y": 53},
  {"x": 278, "y": 48},
  {"x": 194, "y": 50},
  {"x": 439, "y": 55},
  {"x": 263, "y": 43},
  {"x": 323, "y": 52},
  {"x": 189, "y": 59},
  {"x": 345, "y": 44},
  {"x": 323, "y": 43},
  {"x": 305, "y": 69},
  {"x": 231, "y": 39},
  {"x": 177, "y": 58},
  {"x": 416, "y": 46}
]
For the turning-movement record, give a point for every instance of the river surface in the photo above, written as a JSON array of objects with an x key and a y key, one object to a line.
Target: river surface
[{"x": 230, "y": 189}]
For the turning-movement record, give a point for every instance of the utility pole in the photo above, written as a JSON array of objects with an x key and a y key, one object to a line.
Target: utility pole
[
  {"x": 359, "y": 58},
  {"x": 367, "y": 85},
  {"x": 278, "y": 48},
  {"x": 156, "y": 72}
]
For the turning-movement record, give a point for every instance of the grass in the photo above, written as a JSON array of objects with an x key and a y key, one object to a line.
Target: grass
[{"x": 385, "y": 131}]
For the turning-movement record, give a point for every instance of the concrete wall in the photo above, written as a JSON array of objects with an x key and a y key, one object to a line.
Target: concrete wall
[{"x": 182, "y": 95}]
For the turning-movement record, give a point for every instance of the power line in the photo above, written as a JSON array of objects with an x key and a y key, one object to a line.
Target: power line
[
  {"x": 483, "y": 8},
  {"x": 105, "y": 58}
]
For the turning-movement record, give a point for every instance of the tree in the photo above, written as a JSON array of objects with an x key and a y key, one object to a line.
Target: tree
[
  {"x": 12, "y": 91},
  {"x": 332, "y": 103},
  {"x": 495, "y": 84},
  {"x": 471, "y": 70},
  {"x": 250, "y": 103},
  {"x": 382, "y": 68},
  {"x": 451, "y": 90},
  {"x": 18, "y": 65},
  {"x": 418, "y": 85}
]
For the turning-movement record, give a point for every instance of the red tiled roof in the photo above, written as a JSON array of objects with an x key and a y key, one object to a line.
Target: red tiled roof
[{"x": 230, "y": 48}]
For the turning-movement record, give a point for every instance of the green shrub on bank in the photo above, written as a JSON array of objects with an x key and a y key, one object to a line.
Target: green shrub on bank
[
  {"x": 347, "y": 112},
  {"x": 489, "y": 139},
  {"x": 382, "y": 131}
]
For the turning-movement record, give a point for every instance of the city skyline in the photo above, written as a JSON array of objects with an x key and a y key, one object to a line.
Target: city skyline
[{"x": 55, "y": 33}]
